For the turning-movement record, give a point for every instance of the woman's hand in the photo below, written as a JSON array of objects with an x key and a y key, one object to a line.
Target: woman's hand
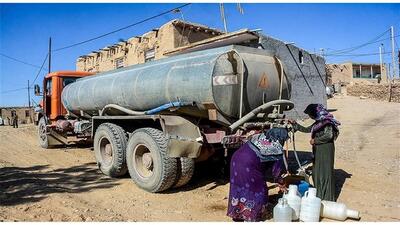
[
  {"x": 282, "y": 188},
  {"x": 292, "y": 121},
  {"x": 312, "y": 142}
]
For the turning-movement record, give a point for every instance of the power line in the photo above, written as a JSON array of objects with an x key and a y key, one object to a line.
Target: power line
[
  {"x": 122, "y": 28},
  {"x": 350, "y": 49},
  {"x": 14, "y": 90},
  {"x": 20, "y": 61},
  {"x": 40, "y": 70},
  {"x": 360, "y": 54}
]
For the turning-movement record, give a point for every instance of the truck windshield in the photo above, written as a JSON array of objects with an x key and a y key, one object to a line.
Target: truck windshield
[
  {"x": 48, "y": 87},
  {"x": 68, "y": 80}
]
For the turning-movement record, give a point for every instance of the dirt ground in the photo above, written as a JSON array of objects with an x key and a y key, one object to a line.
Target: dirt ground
[{"x": 65, "y": 185}]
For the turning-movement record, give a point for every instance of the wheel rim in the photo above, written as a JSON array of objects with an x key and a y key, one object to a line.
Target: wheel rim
[
  {"x": 143, "y": 161},
  {"x": 42, "y": 132},
  {"x": 106, "y": 151}
]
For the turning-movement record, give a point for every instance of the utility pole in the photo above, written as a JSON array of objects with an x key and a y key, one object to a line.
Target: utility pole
[
  {"x": 322, "y": 52},
  {"x": 49, "y": 54},
  {"x": 393, "y": 61},
  {"x": 222, "y": 11},
  {"x": 390, "y": 84},
  {"x": 380, "y": 60},
  {"x": 29, "y": 95}
]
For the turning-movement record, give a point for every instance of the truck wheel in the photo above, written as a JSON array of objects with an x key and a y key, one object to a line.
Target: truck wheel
[
  {"x": 148, "y": 162},
  {"x": 109, "y": 149},
  {"x": 43, "y": 137},
  {"x": 185, "y": 171}
]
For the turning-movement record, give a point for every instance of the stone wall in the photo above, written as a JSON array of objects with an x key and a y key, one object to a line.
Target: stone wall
[
  {"x": 300, "y": 70},
  {"x": 375, "y": 91}
]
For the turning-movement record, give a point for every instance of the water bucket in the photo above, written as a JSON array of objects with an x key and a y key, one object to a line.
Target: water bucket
[{"x": 303, "y": 187}]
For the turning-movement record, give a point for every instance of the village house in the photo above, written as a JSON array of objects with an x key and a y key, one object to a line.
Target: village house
[
  {"x": 25, "y": 115},
  {"x": 150, "y": 46},
  {"x": 351, "y": 72}
]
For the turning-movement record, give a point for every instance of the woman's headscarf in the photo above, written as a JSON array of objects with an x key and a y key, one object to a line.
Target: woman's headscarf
[
  {"x": 268, "y": 145},
  {"x": 322, "y": 118}
]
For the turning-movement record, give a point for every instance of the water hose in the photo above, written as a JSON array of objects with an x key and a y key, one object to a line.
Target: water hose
[
  {"x": 148, "y": 112},
  {"x": 301, "y": 171},
  {"x": 257, "y": 110}
]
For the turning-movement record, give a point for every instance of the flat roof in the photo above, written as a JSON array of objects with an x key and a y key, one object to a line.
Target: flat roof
[{"x": 236, "y": 37}]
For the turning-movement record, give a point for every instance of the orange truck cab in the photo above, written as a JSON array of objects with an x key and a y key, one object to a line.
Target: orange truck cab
[
  {"x": 53, "y": 84},
  {"x": 51, "y": 110}
]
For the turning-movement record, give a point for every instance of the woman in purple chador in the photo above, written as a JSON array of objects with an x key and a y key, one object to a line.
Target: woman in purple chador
[{"x": 248, "y": 193}]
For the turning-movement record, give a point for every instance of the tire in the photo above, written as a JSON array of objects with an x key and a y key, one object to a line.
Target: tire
[
  {"x": 110, "y": 149},
  {"x": 185, "y": 171},
  {"x": 42, "y": 136},
  {"x": 148, "y": 162}
]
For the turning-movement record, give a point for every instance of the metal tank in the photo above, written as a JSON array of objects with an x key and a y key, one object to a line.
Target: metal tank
[{"x": 209, "y": 78}]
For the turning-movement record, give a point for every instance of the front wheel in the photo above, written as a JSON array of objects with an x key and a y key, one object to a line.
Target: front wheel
[
  {"x": 148, "y": 162},
  {"x": 42, "y": 133}
]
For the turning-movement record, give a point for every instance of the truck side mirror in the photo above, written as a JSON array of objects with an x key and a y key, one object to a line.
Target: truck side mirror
[{"x": 37, "y": 90}]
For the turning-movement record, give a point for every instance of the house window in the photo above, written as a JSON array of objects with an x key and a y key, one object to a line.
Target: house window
[
  {"x": 27, "y": 113},
  {"x": 301, "y": 57},
  {"x": 119, "y": 63},
  {"x": 149, "y": 55}
]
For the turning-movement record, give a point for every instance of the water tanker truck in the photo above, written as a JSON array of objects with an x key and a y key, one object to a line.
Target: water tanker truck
[{"x": 155, "y": 120}]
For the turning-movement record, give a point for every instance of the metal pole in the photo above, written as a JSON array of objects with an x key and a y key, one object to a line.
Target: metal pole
[
  {"x": 222, "y": 10},
  {"x": 380, "y": 60},
  {"x": 29, "y": 96},
  {"x": 390, "y": 86},
  {"x": 322, "y": 52},
  {"x": 393, "y": 62},
  {"x": 371, "y": 72},
  {"x": 49, "y": 54}
]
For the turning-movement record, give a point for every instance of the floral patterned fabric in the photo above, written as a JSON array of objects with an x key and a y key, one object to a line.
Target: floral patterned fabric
[{"x": 248, "y": 192}]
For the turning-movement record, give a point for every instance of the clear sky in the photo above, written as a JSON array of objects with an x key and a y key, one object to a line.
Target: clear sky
[{"x": 26, "y": 28}]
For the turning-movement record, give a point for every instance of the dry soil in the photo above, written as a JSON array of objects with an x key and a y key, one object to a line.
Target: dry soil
[{"x": 64, "y": 184}]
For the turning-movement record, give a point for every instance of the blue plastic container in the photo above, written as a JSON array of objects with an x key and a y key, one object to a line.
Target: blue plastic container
[{"x": 303, "y": 187}]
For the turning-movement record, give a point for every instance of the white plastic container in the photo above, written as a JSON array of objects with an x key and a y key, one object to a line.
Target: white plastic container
[
  {"x": 337, "y": 211},
  {"x": 310, "y": 206},
  {"x": 282, "y": 211},
  {"x": 294, "y": 201}
]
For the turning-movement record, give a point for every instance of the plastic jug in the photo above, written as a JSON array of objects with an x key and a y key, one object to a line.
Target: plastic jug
[
  {"x": 337, "y": 211},
  {"x": 310, "y": 206},
  {"x": 282, "y": 211},
  {"x": 294, "y": 201},
  {"x": 303, "y": 187}
]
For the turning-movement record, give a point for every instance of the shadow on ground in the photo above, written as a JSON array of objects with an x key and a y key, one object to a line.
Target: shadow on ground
[
  {"x": 216, "y": 171},
  {"x": 305, "y": 158},
  {"x": 19, "y": 185},
  {"x": 340, "y": 179}
]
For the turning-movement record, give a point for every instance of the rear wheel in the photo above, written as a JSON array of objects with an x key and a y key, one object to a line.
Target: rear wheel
[
  {"x": 148, "y": 162},
  {"x": 185, "y": 171},
  {"x": 109, "y": 149},
  {"x": 42, "y": 133}
]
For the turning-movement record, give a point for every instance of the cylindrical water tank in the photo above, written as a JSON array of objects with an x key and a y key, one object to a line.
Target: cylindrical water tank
[{"x": 208, "y": 77}]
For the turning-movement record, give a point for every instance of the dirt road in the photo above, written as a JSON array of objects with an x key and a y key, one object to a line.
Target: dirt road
[{"x": 65, "y": 185}]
